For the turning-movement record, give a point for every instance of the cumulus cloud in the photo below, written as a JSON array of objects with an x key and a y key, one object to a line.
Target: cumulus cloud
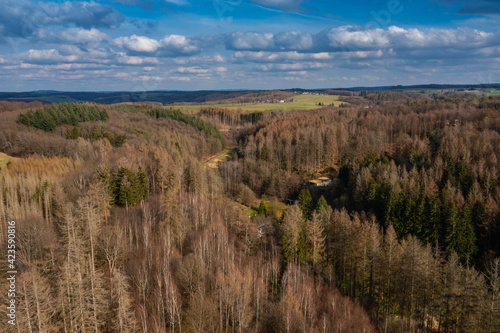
[
  {"x": 21, "y": 18},
  {"x": 191, "y": 70},
  {"x": 70, "y": 54},
  {"x": 82, "y": 14},
  {"x": 168, "y": 46},
  {"x": 180, "y": 78},
  {"x": 250, "y": 41},
  {"x": 137, "y": 43},
  {"x": 294, "y": 40},
  {"x": 269, "y": 57},
  {"x": 83, "y": 36},
  {"x": 293, "y": 67},
  {"x": 134, "y": 60},
  {"x": 354, "y": 38},
  {"x": 47, "y": 56},
  {"x": 179, "y": 45}
]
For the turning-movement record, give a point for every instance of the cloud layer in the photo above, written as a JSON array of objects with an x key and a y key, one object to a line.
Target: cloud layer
[{"x": 61, "y": 44}]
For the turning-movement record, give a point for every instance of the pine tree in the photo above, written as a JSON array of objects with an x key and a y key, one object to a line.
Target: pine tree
[
  {"x": 306, "y": 203},
  {"x": 73, "y": 134},
  {"x": 264, "y": 153},
  {"x": 321, "y": 204},
  {"x": 143, "y": 184},
  {"x": 451, "y": 221},
  {"x": 262, "y": 209}
]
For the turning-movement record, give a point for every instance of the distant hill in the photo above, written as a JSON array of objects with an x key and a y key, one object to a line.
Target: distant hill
[
  {"x": 164, "y": 97},
  {"x": 203, "y": 96}
]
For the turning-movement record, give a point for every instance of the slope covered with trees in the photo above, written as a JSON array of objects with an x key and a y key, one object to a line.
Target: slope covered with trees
[
  {"x": 418, "y": 176},
  {"x": 143, "y": 238},
  {"x": 51, "y": 116}
]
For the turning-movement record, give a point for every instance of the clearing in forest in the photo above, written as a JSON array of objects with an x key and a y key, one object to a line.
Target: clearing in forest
[
  {"x": 4, "y": 159},
  {"x": 214, "y": 160},
  {"x": 489, "y": 93},
  {"x": 297, "y": 102}
]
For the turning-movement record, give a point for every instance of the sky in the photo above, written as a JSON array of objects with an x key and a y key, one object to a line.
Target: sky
[{"x": 143, "y": 45}]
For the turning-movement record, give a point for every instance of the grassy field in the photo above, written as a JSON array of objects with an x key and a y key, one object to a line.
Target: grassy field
[
  {"x": 4, "y": 159},
  {"x": 488, "y": 93},
  {"x": 300, "y": 102},
  {"x": 213, "y": 161}
]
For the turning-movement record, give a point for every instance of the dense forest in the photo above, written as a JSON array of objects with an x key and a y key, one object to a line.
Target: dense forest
[{"x": 123, "y": 225}]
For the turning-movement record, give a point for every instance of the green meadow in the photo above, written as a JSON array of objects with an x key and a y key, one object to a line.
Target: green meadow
[{"x": 298, "y": 102}]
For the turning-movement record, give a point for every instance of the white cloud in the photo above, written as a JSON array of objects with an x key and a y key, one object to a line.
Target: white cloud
[
  {"x": 147, "y": 78},
  {"x": 47, "y": 56},
  {"x": 218, "y": 58},
  {"x": 293, "y": 67},
  {"x": 191, "y": 70},
  {"x": 83, "y": 36},
  {"x": 137, "y": 43},
  {"x": 348, "y": 37},
  {"x": 250, "y": 41},
  {"x": 179, "y": 45},
  {"x": 134, "y": 60},
  {"x": 180, "y": 78},
  {"x": 168, "y": 46},
  {"x": 22, "y": 19},
  {"x": 354, "y": 38},
  {"x": 263, "y": 56},
  {"x": 293, "y": 40}
]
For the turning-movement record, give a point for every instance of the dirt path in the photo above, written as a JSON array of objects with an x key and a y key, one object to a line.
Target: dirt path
[{"x": 214, "y": 160}]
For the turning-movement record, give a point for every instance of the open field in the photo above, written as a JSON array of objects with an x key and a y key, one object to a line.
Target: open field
[
  {"x": 214, "y": 160},
  {"x": 4, "y": 159},
  {"x": 488, "y": 93},
  {"x": 299, "y": 102}
]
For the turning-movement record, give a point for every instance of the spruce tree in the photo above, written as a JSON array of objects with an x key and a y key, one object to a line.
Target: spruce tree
[
  {"x": 306, "y": 203},
  {"x": 321, "y": 204}
]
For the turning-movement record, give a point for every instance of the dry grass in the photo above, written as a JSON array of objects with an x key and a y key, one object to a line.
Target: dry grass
[
  {"x": 4, "y": 159},
  {"x": 214, "y": 160}
]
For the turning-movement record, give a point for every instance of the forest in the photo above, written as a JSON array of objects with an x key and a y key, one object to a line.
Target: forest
[{"x": 123, "y": 225}]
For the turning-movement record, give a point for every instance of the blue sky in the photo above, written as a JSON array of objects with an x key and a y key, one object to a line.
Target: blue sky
[{"x": 138, "y": 45}]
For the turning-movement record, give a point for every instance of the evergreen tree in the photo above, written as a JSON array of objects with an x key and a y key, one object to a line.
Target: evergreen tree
[
  {"x": 306, "y": 203},
  {"x": 431, "y": 225},
  {"x": 73, "y": 134},
  {"x": 51, "y": 116},
  {"x": 96, "y": 134},
  {"x": 321, "y": 204},
  {"x": 460, "y": 237},
  {"x": 451, "y": 222},
  {"x": 468, "y": 247},
  {"x": 124, "y": 190},
  {"x": 264, "y": 153},
  {"x": 143, "y": 184},
  {"x": 262, "y": 209}
]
